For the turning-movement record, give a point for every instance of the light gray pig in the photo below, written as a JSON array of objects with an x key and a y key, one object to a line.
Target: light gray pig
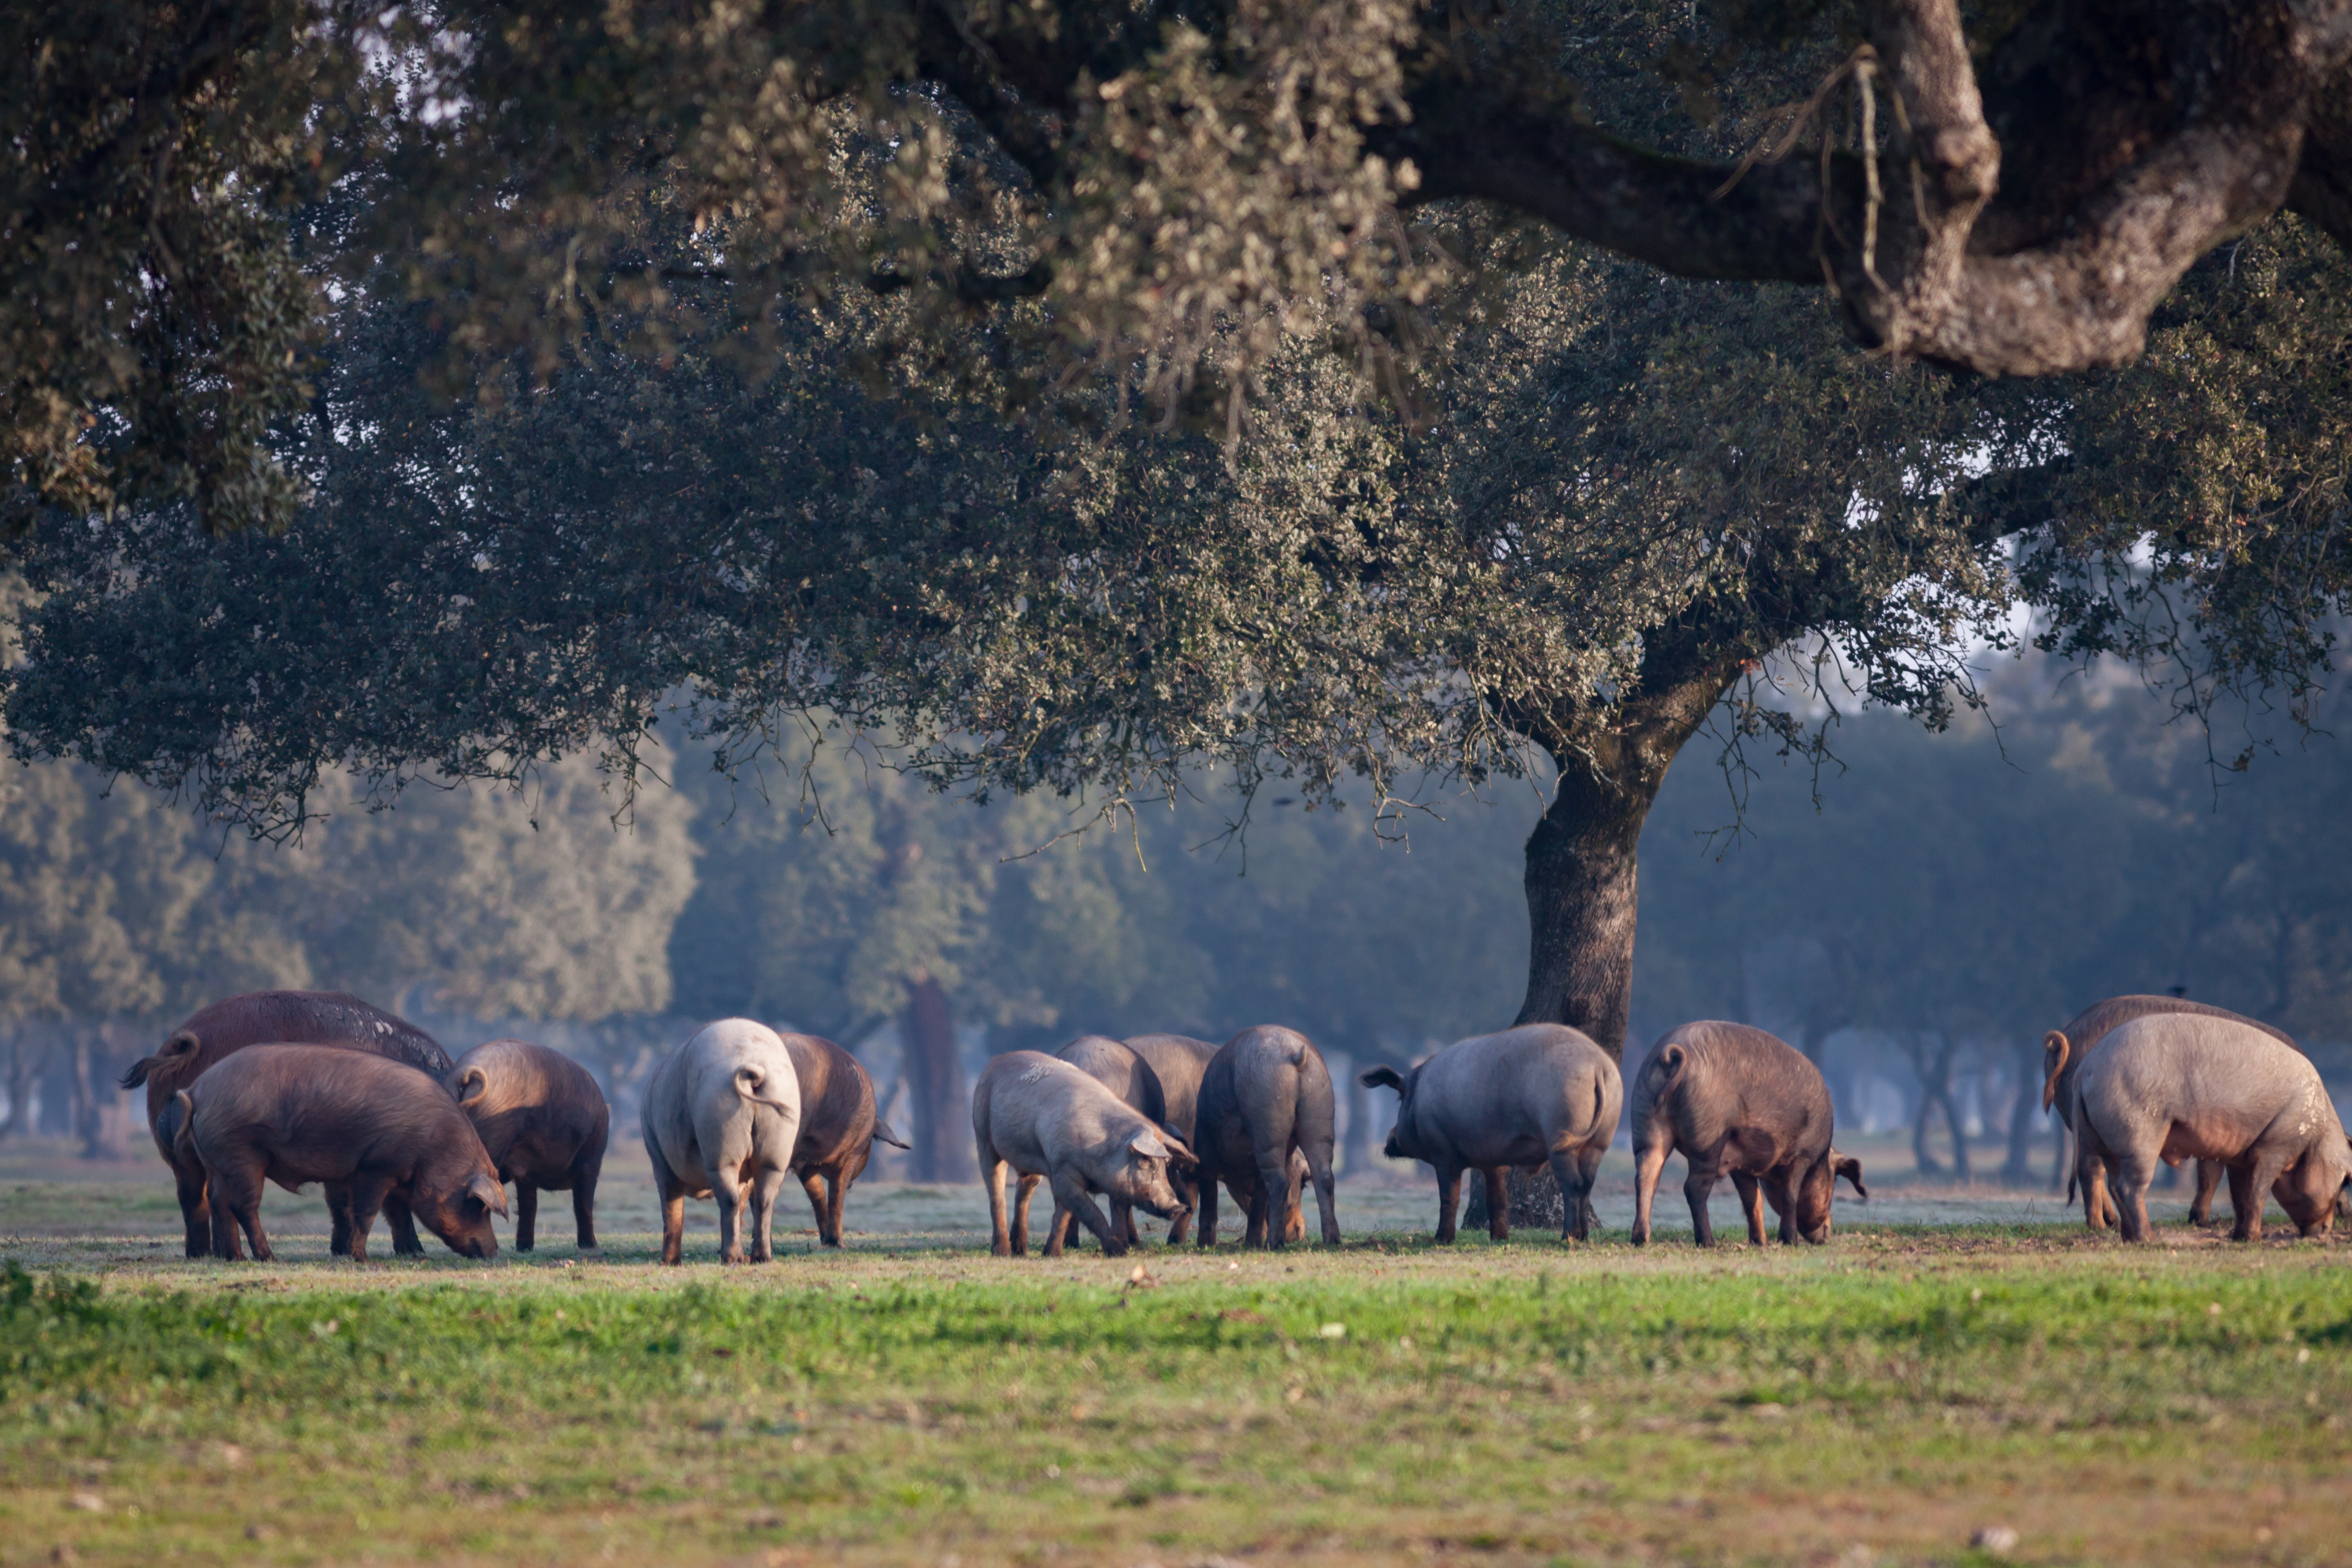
[
  {"x": 1051, "y": 1122},
  {"x": 1265, "y": 1097},
  {"x": 2063, "y": 1052},
  {"x": 2171, "y": 1087},
  {"x": 721, "y": 1117},
  {"x": 1126, "y": 1074},
  {"x": 1728, "y": 1097},
  {"x": 1537, "y": 1094}
]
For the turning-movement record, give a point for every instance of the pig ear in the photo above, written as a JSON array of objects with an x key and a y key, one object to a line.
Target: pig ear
[
  {"x": 1179, "y": 1156},
  {"x": 1149, "y": 1145},
  {"x": 487, "y": 1191},
  {"x": 1381, "y": 1077},
  {"x": 2055, "y": 1049},
  {"x": 472, "y": 1084},
  {"x": 1849, "y": 1167}
]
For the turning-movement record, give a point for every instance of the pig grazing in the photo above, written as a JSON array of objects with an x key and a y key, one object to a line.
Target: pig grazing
[
  {"x": 1178, "y": 1061},
  {"x": 2063, "y": 1052},
  {"x": 1538, "y": 1094},
  {"x": 1051, "y": 1122},
  {"x": 2171, "y": 1087},
  {"x": 1727, "y": 1097},
  {"x": 722, "y": 1117},
  {"x": 377, "y": 1128},
  {"x": 1127, "y": 1075},
  {"x": 258, "y": 1017},
  {"x": 838, "y": 1127},
  {"x": 545, "y": 1121},
  {"x": 1264, "y": 1097}
]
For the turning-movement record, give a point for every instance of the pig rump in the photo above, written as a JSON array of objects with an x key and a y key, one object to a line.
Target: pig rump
[
  {"x": 545, "y": 1124},
  {"x": 1265, "y": 1098},
  {"x": 259, "y": 1017}
]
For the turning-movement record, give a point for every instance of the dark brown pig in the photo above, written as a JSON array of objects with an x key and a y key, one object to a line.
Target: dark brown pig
[
  {"x": 2063, "y": 1052},
  {"x": 838, "y": 1127},
  {"x": 1265, "y": 1097},
  {"x": 1728, "y": 1097},
  {"x": 1178, "y": 1061},
  {"x": 1126, "y": 1074},
  {"x": 292, "y": 1114},
  {"x": 544, "y": 1122},
  {"x": 309, "y": 1017}
]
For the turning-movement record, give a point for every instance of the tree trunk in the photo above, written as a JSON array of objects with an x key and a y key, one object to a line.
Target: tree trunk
[
  {"x": 2024, "y": 1111},
  {"x": 1581, "y": 890},
  {"x": 1356, "y": 1153},
  {"x": 935, "y": 1086}
]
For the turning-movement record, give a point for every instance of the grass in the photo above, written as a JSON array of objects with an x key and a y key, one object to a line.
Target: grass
[{"x": 1879, "y": 1400}]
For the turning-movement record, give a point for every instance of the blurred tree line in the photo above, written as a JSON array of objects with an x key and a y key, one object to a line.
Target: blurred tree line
[{"x": 1951, "y": 896}]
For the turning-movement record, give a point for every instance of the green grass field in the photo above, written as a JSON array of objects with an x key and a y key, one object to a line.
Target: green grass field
[{"x": 912, "y": 1400}]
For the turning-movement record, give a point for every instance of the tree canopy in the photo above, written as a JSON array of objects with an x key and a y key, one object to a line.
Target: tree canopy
[{"x": 1150, "y": 197}]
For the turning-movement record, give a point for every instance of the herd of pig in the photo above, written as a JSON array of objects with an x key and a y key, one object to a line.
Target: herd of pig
[{"x": 303, "y": 1087}]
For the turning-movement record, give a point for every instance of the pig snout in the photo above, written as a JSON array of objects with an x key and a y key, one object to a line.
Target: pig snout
[{"x": 1148, "y": 1189}]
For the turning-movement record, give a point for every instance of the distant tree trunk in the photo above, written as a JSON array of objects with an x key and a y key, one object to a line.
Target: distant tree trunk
[
  {"x": 1934, "y": 1066},
  {"x": 2024, "y": 1111},
  {"x": 935, "y": 1087},
  {"x": 1581, "y": 887},
  {"x": 1356, "y": 1154},
  {"x": 24, "y": 1059}
]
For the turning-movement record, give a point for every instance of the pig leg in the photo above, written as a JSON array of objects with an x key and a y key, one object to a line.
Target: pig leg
[
  {"x": 339, "y": 1217},
  {"x": 1449, "y": 1202},
  {"x": 1588, "y": 1168},
  {"x": 836, "y": 1192},
  {"x": 195, "y": 1213},
  {"x": 673, "y": 1207},
  {"x": 1188, "y": 1195},
  {"x": 1568, "y": 1174},
  {"x": 403, "y": 1225},
  {"x": 1070, "y": 1201},
  {"x": 237, "y": 1205},
  {"x": 1751, "y": 1204},
  {"x": 1122, "y": 1220},
  {"x": 526, "y": 1216},
  {"x": 2209, "y": 1178},
  {"x": 1498, "y": 1204},
  {"x": 1649, "y": 1164},
  {"x": 583, "y": 1199},
  {"x": 733, "y": 1194},
  {"x": 2263, "y": 1174},
  {"x": 812, "y": 1183},
  {"x": 991, "y": 1179},
  {"x": 365, "y": 1197},
  {"x": 1327, "y": 1190},
  {"x": 1777, "y": 1193},
  {"x": 1704, "y": 1172},
  {"x": 766, "y": 1188},
  {"x": 2134, "y": 1169},
  {"x": 1204, "y": 1218},
  {"x": 1025, "y": 1189}
]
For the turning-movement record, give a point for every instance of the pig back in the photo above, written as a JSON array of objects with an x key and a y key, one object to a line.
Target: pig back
[
  {"x": 262, "y": 1017},
  {"x": 1123, "y": 1071},
  {"x": 2093, "y": 1024},
  {"x": 837, "y": 1109},
  {"x": 1493, "y": 1098},
  {"x": 1177, "y": 1061},
  {"x": 694, "y": 1113},
  {"x": 528, "y": 1093},
  {"x": 1711, "y": 1078},
  {"x": 2227, "y": 1080}
]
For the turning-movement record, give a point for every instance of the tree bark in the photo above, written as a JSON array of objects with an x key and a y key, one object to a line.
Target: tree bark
[
  {"x": 935, "y": 1086},
  {"x": 1582, "y": 885},
  {"x": 2024, "y": 1110}
]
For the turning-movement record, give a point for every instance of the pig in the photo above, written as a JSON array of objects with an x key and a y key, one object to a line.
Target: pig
[
  {"x": 2171, "y": 1087},
  {"x": 1727, "y": 1097},
  {"x": 1540, "y": 1093},
  {"x": 1265, "y": 1097},
  {"x": 722, "y": 1117},
  {"x": 1127, "y": 1075},
  {"x": 297, "y": 1114},
  {"x": 1051, "y": 1122},
  {"x": 2063, "y": 1052},
  {"x": 1178, "y": 1061},
  {"x": 544, "y": 1122},
  {"x": 838, "y": 1127},
  {"x": 309, "y": 1017}
]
